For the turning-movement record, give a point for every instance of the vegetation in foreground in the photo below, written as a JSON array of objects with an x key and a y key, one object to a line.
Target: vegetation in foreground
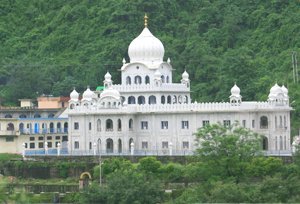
[{"x": 226, "y": 169}]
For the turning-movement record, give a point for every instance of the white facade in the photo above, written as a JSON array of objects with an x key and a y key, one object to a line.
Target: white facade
[{"x": 150, "y": 113}]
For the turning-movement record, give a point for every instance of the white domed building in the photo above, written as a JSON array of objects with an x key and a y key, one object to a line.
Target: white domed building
[{"x": 150, "y": 114}]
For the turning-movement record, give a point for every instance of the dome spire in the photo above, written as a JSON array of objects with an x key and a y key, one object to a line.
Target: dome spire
[{"x": 146, "y": 20}]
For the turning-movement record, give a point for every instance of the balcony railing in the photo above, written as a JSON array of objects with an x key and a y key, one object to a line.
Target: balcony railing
[{"x": 27, "y": 131}]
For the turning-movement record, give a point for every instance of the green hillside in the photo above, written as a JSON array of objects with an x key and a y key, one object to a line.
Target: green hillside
[{"x": 49, "y": 46}]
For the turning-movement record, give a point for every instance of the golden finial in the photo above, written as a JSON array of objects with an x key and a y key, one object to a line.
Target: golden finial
[{"x": 146, "y": 20}]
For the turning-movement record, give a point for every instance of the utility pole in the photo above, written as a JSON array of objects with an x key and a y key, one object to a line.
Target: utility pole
[{"x": 295, "y": 67}]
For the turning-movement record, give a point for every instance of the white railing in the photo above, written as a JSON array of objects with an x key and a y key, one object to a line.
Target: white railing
[
  {"x": 151, "y": 87},
  {"x": 196, "y": 107}
]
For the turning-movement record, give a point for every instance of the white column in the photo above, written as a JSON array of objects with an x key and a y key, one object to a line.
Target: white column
[
  {"x": 24, "y": 149},
  {"x": 58, "y": 149},
  {"x": 171, "y": 149},
  {"x": 46, "y": 148}
]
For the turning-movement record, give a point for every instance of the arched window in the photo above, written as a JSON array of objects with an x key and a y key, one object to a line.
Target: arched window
[
  {"x": 98, "y": 125},
  {"x": 152, "y": 100},
  {"x": 58, "y": 127},
  {"x": 131, "y": 100},
  {"x": 130, "y": 124},
  {"x": 137, "y": 79},
  {"x": 51, "y": 127},
  {"x": 168, "y": 79},
  {"x": 66, "y": 127},
  {"x": 51, "y": 115},
  {"x": 280, "y": 122},
  {"x": 8, "y": 116},
  {"x": 44, "y": 128},
  {"x": 275, "y": 121},
  {"x": 174, "y": 99},
  {"x": 179, "y": 99},
  {"x": 22, "y": 116},
  {"x": 162, "y": 78},
  {"x": 10, "y": 127},
  {"x": 36, "y": 128},
  {"x": 109, "y": 146},
  {"x": 128, "y": 80},
  {"x": 186, "y": 99},
  {"x": 263, "y": 122},
  {"x": 119, "y": 146},
  {"x": 141, "y": 100},
  {"x": 163, "y": 99},
  {"x": 119, "y": 125},
  {"x": 147, "y": 80},
  {"x": 276, "y": 143},
  {"x": 21, "y": 128},
  {"x": 281, "y": 143},
  {"x": 122, "y": 99},
  {"x": 109, "y": 125},
  {"x": 130, "y": 141},
  {"x": 37, "y": 115},
  {"x": 264, "y": 143},
  {"x": 169, "y": 100}
]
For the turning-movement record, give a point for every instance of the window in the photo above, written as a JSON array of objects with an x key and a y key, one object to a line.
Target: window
[
  {"x": 31, "y": 138},
  {"x": 76, "y": 145},
  {"x": 9, "y": 139},
  {"x": 128, "y": 80},
  {"x": 152, "y": 100},
  {"x": 244, "y": 123},
  {"x": 76, "y": 126},
  {"x": 41, "y": 144},
  {"x": 90, "y": 145},
  {"x": 164, "y": 124},
  {"x": 144, "y": 145},
  {"x": 49, "y": 137},
  {"x": 284, "y": 121},
  {"x": 144, "y": 125},
  {"x": 41, "y": 138},
  {"x": 253, "y": 123},
  {"x": 131, "y": 100},
  {"x": 109, "y": 125},
  {"x": 185, "y": 124},
  {"x": 137, "y": 80},
  {"x": 32, "y": 145},
  {"x": 130, "y": 124},
  {"x": 185, "y": 145},
  {"x": 119, "y": 125},
  {"x": 90, "y": 126},
  {"x": 205, "y": 123},
  {"x": 163, "y": 100},
  {"x": 64, "y": 138},
  {"x": 263, "y": 122},
  {"x": 165, "y": 145},
  {"x": 57, "y": 137},
  {"x": 98, "y": 125},
  {"x": 147, "y": 80},
  {"x": 49, "y": 144},
  {"x": 226, "y": 123},
  {"x": 280, "y": 121},
  {"x": 141, "y": 100}
]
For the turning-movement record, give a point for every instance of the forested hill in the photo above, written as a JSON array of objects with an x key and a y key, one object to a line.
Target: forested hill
[{"x": 49, "y": 46}]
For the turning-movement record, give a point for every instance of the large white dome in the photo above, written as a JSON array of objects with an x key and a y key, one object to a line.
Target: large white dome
[{"x": 146, "y": 48}]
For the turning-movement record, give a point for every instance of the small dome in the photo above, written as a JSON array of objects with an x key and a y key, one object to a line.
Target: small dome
[
  {"x": 185, "y": 75},
  {"x": 110, "y": 92},
  {"x": 284, "y": 90},
  {"x": 107, "y": 76},
  {"x": 74, "y": 95},
  {"x": 235, "y": 90},
  {"x": 146, "y": 48},
  {"x": 157, "y": 74},
  {"x": 275, "y": 89},
  {"x": 88, "y": 94}
]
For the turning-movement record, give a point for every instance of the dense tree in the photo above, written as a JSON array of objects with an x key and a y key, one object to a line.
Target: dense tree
[{"x": 227, "y": 150}]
